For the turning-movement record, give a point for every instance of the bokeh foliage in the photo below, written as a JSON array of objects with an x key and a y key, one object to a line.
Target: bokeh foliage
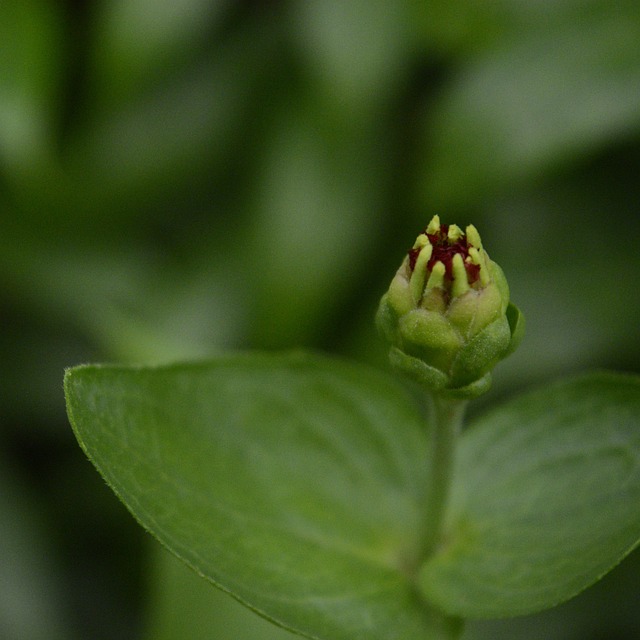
[{"x": 181, "y": 178}]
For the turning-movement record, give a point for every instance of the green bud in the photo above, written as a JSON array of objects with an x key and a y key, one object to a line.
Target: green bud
[{"x": 447, "y": 313}]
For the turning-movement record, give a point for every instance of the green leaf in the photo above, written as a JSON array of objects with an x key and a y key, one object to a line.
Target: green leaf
[
  {"x": 293, "y": 482},
  {"x": 546, "y": 499}
]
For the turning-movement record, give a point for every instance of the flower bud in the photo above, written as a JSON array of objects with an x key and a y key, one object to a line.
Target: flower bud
[{"x": 447, "y": 313}]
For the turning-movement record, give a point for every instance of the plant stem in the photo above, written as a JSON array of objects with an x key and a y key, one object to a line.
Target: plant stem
[{"x": 447, "y": 417}]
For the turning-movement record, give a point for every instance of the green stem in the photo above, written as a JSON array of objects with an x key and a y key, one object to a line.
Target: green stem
[{"x": 447, "y": 417}]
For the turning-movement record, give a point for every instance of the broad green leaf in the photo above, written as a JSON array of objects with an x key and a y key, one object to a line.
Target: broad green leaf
[
  {"x": 292, "y": 482},
  {"x": 546, "y": 499},
  {"x": 607, "y": 610}
]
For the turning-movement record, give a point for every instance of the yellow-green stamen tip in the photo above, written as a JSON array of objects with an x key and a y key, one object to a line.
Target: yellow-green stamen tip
[
  {"x": 474, "y": 256},
  {"x": 436, "y": 279},
  {"x": 421, "y": 241},
  {"x": 484, "y": 275},
  {"x": 416, "y": 283},
  {"x": 473, "y": 237},
  {"x": 454, "y": 234},
  {"x": 460, "y": 284},
  {"x": 434, "y": 225}
]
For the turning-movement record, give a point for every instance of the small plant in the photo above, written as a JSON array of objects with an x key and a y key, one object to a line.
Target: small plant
[{"x": 345, "y": 504}]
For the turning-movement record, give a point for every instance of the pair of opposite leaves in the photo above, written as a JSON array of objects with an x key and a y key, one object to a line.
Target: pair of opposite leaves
[{"x": 297, "y": 483}]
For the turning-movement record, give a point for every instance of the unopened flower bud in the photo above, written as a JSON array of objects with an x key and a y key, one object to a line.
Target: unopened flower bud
[{"x": 447, "y": 313}]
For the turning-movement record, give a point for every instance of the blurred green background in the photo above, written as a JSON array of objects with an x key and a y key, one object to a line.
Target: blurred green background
[{"x": 183, "y": 177}]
